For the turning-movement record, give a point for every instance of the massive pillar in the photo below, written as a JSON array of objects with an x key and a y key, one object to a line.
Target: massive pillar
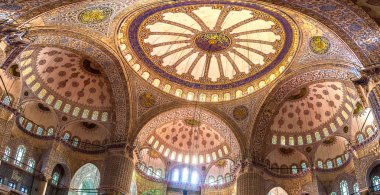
[
  {"x": 117, "y": 174},
  {"x": 250, "y": 181}
]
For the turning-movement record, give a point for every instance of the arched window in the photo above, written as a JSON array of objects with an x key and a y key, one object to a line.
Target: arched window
[
  {"x": 194, "y": 177},
  {"x": 294, "y": 169},
  {"x": 175, "y": 175},
  {"x": 277, "y": 191},
  {"x": 376, "y": 183},
  {"x": 274, "y": 139},
  {"x": 150, "y": 171},
  {"x": 86, "y": 180},
  {"x": 55, "y": 178},
  {"x": 220, "y": 180},
  {"x": 291, "y": 141},
  {"x": 50, "y": 131},
  {"x": 360, "y": 138},
  {"x": 339, "y": 161},
  {"x": 308, "y": 139},
  {"x": 303, "y": 166},
  {"x": 66, "y": 137},
  {"x": 20, "y": 155},
  {"x": 228, "y": 178},
  {"x": 317, "y": 136},
  {"x": 300, "y": 140},
  {"x": 320, "y": 164},
  {"x": 333, "y": 193},
  {"x": 329, "y": 164},
  {"x": 158, "y": 173},
  {"x": 356, "y": 189},
  {"x": 29, "y": 126},
  {"x": 369, "y": 132},
  {"x": 75, "y": 142},
  {"x": 7, "y": 153},
  {"x": 344, "y": 187},
  {"x": 31, "y": 165},
  {"x": 185, "y": 175},
  {"x": 6, "y": 100},
  {"x": 39, "y": 130},
  {"x": 282, "y": 140},
  {"x": 211, "y": 180}
]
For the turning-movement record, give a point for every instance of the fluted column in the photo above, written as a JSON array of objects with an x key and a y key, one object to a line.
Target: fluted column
[{"x": 117, "y": 175}]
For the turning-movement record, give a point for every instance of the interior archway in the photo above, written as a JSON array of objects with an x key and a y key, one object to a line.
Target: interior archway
[
  {"x": 277, "y": 191},
  {"x": 85, "y": 181}
]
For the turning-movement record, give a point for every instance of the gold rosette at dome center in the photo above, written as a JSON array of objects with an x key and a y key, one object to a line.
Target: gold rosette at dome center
[{"x": 209, "y": 51}]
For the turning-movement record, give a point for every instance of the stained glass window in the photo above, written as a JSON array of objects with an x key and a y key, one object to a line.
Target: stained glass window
[
  {"x": 356, "y": 189},
  {"x": 344, "y": 187},
  {"x": 300, "y": 140},
  {"x": 369, "y": 132},
  {"x": 31, "y": 164},
  {"x": 75, "y": 142},
  {"x": 329, "y": 164},
  {"x": 50, "y": 131},
  {"x": 194, "y": 177},
  {"x": 211, "y": 180},
  {"x": 185, "y": 175},
  {"x": 7, "y": 100},
  {"x": 303, "y": 166},
  {"x": 308, "y": 139},
  {"x": 220, "y": 180},
  {"x": 282, "y": 140},
  {"x": 320, "y": 164},
  {"x": 39, "y": 130},
  {"x": 339, "y": 161},
  {"x": 376, "y": 183},
  {"x": 66, "y": 137},
  {"x": 55, "y": 178},
  {"x": 29, "y": 126},
  {"x": 20, "y": 155},
  {"x": 7, "y": 153},
  {"x": 274, "y": 139},
  {"x": 291, "y": 141},
  {"x": 360, "y": 138},
  {"x": 294, "y": 169},
  {"x": 317, "y": 136}
]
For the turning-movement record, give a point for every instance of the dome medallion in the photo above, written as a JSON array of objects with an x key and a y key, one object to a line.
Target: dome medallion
[{"x": 208, "y": 51}]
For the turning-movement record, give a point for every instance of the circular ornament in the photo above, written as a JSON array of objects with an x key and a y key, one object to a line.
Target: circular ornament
[
  {"x": 240, "y": 113},
  {"x": 147, "y": 100},
  {"x": 95, "y": 15},
  {"x": 319, "y": 45}
]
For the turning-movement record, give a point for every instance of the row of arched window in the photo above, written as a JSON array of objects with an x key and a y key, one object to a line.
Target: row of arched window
[
  {"x": 76, "y": 141},
  {"x": 360, "y": 137},
  {"x": 18, "y": 159},
  {"x": 345, "y": 190},
  {"x": 191, "y": 96},
  {"x": 332, "y": 163},
  {"x": 284, "y": 169},
  {"x": 185, "y": 175},
  {"x": 150, "y": 171},
  {"x": 187, "y": 158},
  {"x": 219, "y": 180},
  {"x": 38, "y": 130}
]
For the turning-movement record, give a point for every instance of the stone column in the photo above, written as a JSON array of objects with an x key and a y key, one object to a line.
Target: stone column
[
  {"x": 360, "y": 176},
  {"x": 117, "y": 174},
  {"x": 250, "y": 180},
  {"x": 40, "y": 184}
]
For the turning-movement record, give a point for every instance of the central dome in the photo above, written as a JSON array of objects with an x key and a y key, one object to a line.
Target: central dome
[{"x": 208, "y": 51}]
